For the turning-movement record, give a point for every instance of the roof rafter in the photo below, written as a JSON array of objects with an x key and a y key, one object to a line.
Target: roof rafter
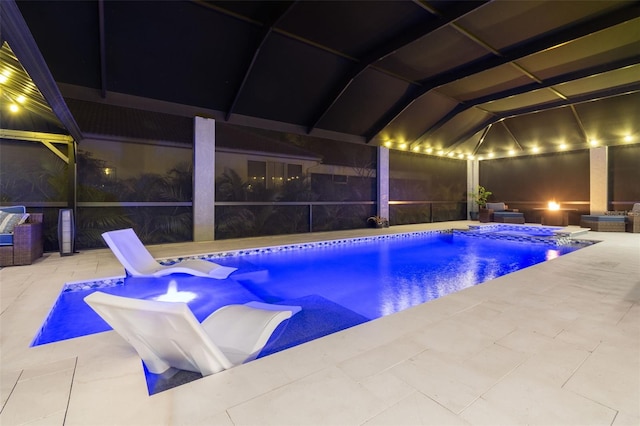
[
  {"x": 579, "y": 122},
  {"x": 564, "y": 78},
  {"x": 563, "y": 35},
  {"x": 481, "y": 140},
  {"x": 388, "y": 47},
  {"x": 515, "y": 139}
]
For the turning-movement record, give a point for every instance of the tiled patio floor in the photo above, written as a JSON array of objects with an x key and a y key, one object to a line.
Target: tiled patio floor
[{"x": 553, "y": 344}]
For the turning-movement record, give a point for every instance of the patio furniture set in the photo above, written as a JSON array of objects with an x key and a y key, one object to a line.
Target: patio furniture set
[{"x": 612, "y": 221}]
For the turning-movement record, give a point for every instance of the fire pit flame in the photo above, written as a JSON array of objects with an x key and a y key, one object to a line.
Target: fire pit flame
[{"x": 553, "y": 205}]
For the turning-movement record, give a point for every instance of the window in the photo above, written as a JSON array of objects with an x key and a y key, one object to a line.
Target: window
[
  {"x": 257, "y": 171},
  {"x": 275, "y": 174},
  {"x": 272, "y": 174},
  {"x": 294, "y": 171},
  {"x": 341, "y": 179}
]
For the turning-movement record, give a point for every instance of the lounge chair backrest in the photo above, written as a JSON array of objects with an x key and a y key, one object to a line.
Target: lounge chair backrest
[
  {"x": 242, "y": 341},
  {"x": 165, "y": 334},
  {"x": 497, "y": 207},
  {"x": 127, "y": 247}
]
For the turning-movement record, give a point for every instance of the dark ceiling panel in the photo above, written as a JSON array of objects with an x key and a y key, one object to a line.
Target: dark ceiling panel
[
  {"x": 620, "y": 77},
  {"x": 155, "y": 63},
  {"x": 484, "y": 83},
  {"x": 423, "y": 113},
  {"x": 507, "y": 23},
  {"x": 67, "y": 36},
  {"x": 444, "y": 137},
  {"x": 534, "y": 97},
  {"x": 352, "y": 27},
  {"x": 433, "y": 54},
  {"x": 498, "y": 141},
  {"x": 560, "y": 126},
  {"x": 290, "y": 77},
  {"x": 620, "y": 41},
  {"x": 621, "y": 115},
  {"x": 364, "y": 101}
]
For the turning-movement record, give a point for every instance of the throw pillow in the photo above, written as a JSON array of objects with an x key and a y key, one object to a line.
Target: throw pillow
[{"x": 8, "y": 221}]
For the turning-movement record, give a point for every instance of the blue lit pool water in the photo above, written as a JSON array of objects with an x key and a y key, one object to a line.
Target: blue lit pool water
[{"x": 354, "y": 282}]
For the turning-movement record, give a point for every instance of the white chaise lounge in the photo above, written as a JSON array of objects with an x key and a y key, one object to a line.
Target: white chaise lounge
[
  {"x": 167, "y": 334},
  {"x": 136, "y": 259}
]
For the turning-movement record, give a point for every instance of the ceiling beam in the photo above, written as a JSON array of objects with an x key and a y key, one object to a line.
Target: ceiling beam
[
  {"x": 390, "y": 46},
  {"x": 481, "y": 140},
  {"x": 595, "y": 96},
  {"x": 504, "y": 124},
  {"x": 626, "y": 13},
  {"x": 579, "y": 122},
  {"x": 268, "y": 30},
  {"x": 560, "y": 79},
  {"x": 24, "y": 46},
  {"x": 25, "y": 135}
]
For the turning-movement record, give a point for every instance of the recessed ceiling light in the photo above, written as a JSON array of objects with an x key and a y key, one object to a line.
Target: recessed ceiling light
[
  {"x": 450, "y": 154},
  {"x": 440, "y": 152},
  {"x": 593, "y": 142},
  {"x": 470, "y": 157},
  {"x": 461, "y": 155},
  {"x": 628, "y": 138},
  {"x": 491, "y": 155},
  {"x": 14, "y": 108},
  {"x": 387, "y": 144},
  {"x": 535, "y": 149},
  {"x": 20, "y": 99},
  {"x": 429, "y": 150},
  {"x": 3, "y": 78},
  {"x": 511, "y": 152},
  {"x": 563, "y": 146}
]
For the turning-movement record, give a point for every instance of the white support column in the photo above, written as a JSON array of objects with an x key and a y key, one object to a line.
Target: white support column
[
  {"x": 599, "y": 180},
  {"x": 473, "y": 181},
  {"x": 204, "y": 175},
  {"x": 382, "y": 179}
]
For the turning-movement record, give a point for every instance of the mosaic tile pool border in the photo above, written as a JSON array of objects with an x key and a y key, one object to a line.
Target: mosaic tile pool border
[
  {"x": 555, "y": 235},
  {"x": 119, "y": 280}
]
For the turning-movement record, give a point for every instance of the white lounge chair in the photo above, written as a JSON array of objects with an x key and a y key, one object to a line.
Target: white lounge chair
[
  {"x": 136, "y": 259},
  {"x": 167, "y": 334}
]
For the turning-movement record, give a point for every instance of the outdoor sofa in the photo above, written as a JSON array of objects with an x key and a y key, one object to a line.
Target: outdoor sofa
[
  {"x": 614, "y": 221},
  {"x": 20, "y": 236},
  {"x": 500, "y": 213}
]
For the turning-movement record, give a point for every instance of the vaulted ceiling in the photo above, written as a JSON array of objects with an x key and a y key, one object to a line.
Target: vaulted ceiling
[{"x": 457, "y": 78}]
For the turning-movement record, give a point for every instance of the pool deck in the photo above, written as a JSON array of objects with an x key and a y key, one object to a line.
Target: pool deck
[{"x": 554, "y": 344}]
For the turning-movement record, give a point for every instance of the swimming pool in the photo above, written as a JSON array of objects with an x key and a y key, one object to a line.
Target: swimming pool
[{"x": 338, "y": 283}]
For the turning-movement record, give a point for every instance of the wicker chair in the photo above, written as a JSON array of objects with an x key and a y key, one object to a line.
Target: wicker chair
[{"x": 26, "y": 244}]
